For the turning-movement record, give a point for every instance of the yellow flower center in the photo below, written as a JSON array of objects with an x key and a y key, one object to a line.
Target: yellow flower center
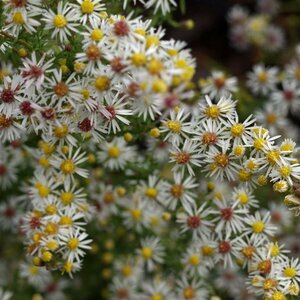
[
  {"x": 152, "y": 40},
  {"x": 271, "y": 118},
  {"x": 151, "y": 192},
  {"x": 245, "y": 175},
  {"x": 18, "y": 18},
  {"x": 289, "y": 272},
  {"x": 243, "y": 198},
  {"x": 174, "y": 126},
  {"x": 51, "y": 209},
  {"x": 258, "y": 227},
  {"x": 61, "y": 132},
  {"x": 126, "y": 270},
  {"x": 212, "y": 111},
  {"x": 262, "y": 77},
  {"x": 189, "y": 293},
  {"x": 114, "y": 152},
  {"x": 285, "y": 171},
  {"x": 207, "y": 250},
  {"x": 269, "y": 283},
  {"x": 51, "y": 228},
  {"x": 138, "y": 59},
  {"x": 237, "y": 130},
  {"x": 67, "y": 166},
  {"x": 221, "y": 160},
  {"x": 147, "y": 252},
  {"x": 194, "y": 259},
  {"x": 278, "y": 296},
  {"x": 96, "y": 35},
  {"x": 157, "y": 297},
  {"x": 43, "y": 190},
  {"x": 136, "y": 214},
  {"x": 65, "y": 220},
  {"x": 66, "y": 197},
  {"x": 177, "y": 190},
  {"x": 259, "y": 144},
  {"x": 159, "y": 86},
  {"x": 73, "y": 243},
  {"x": 273, "y": 156},
  {"x": 59, "y": 21},
  {"x": 102, "y": 83},
  {"x": 87, "y": 7}
]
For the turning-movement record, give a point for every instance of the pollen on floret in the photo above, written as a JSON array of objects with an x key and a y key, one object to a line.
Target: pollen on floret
[
  {"x": 243, "y": 198},
  {"x": 193, "y": 222},
  {"x": 43, "y": 190},
  {"x": 249, "y": 251},
  {"x": 102, "y": 83},
  {"x": 209, "y": 138},
  {"x": 278, "y": 296},
  {"x": 47, "y": 256},
  {"x": 87, "y": 7},
  {"x": 66, "y": 220},
  {"x": 154, "y": 132},
  {"x": 96, "y": 35},
  {"x": 259, "y": 144},
  {"x": 139, "y": 59},
  {"x": 258, "y": 227},
  {"x": 262, "y": 180},
  {"x": 290, "y": 272},
  {"x": 222, "y": 160},
  {"x": 73, "y": 243},
  {"x": 244, "y": 175},
  {"x": 212, "y": 111},
  {"x": 126, "y": 270},
  {"x": 157, "y": 297},
  {"x": 265, "y": 266},
  {"x": 285, "y": 171},
  {"x": 152, "y": 40},
  {"x": 93, "y": 52},
  {"x": 237, "y": 130},
  {"x": 51, "y": 209},
  {"x": 189, "y": 293},
  {"x": 151, "y": 192},
  {"x": 262, "y": 77},
  {"x": 182, "y": 157},
  {"x": 174, "y": 126},
  {"x": 270, "y": 283},
  {"x": 61, "y": 132},
  {"x": 114, "y": 152},
  {"x": 136, "y": 214},
  {"x": 159, "y": 86},
  {"x": 194, "y": 259},
  {"x": 18, "y": 18},
  {"x": 207, "y": 250},
  {"x": 51, "y": 228},
  {"x": 147, "y": 252},
  {"x": 280, "y": 186},
  {"x": 67, "y": 166},
  {"x": 59, "y": 21}
]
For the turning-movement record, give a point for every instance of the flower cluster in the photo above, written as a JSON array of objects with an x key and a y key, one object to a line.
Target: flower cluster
[
  {"x": 256, "y": 30},
  {"x": 101, "y": 124}
]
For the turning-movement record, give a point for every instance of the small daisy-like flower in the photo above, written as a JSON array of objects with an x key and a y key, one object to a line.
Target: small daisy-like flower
[
  {"x": 115, "y": 154},
  {"x": 156, "y": 290},
  {"x": 63, "y": 22},
  {"x": 35, "y": 72},
  {"x": 176, "y": 127},
  {"x": 89, "y": 11},
  {"x": 186, "y": 156},
  {"x": 74, "y": 245},
  {"x": 262, "y": 80},
  {"x": 220, "y": 163},
  {"x": 224, "y": 108},
  {"x": 67, "y": 165},
  {"x": 243, "y": 197},
  {"x": 191, "y": 289},
  {"x": 193, "y": 262},
  {"x": 151, "y": 252},
  {"x": 259, "y": 227},
  {"x": 230, "y": 218},
  {"x": 195, "y": 220},
  {"x": 218, "y": 85},
  {"x": 181, "y": 190},
  {"x": 115, "y": 105}
]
